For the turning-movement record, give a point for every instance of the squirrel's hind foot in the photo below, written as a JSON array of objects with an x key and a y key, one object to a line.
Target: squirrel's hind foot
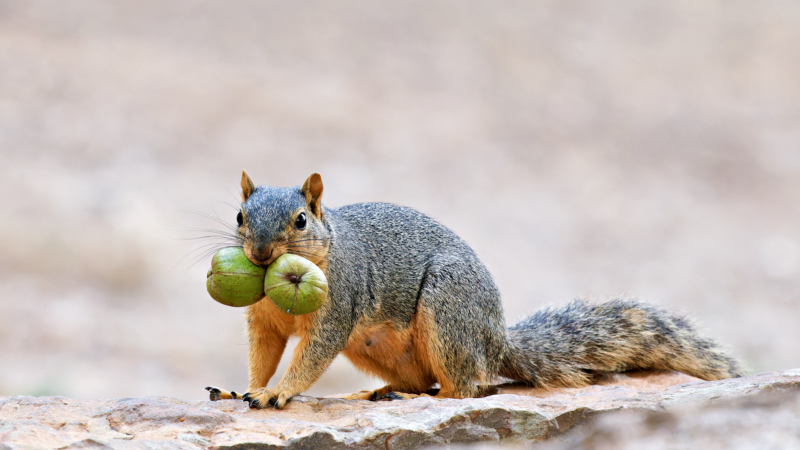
[
  {"x": 370, "y": 395},
  {"x": 399, "y": 396},
  {"x": 387, "y": 393}
]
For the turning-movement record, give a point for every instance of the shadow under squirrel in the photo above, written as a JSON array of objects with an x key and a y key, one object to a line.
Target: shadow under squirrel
[{"x": 411, "y": 303}]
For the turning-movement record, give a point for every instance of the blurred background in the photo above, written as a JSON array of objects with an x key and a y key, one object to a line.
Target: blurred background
[{"x": 584, "y": 148}]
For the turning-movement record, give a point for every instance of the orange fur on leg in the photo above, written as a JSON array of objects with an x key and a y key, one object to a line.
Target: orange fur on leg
[{"x": 268, "y": 331}]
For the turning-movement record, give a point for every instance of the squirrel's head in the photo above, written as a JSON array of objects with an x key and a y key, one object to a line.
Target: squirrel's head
[{"x": 278, "y": 220}]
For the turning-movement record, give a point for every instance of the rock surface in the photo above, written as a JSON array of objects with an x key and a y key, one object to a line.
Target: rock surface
[
  {"x": 768, "y": 420},
  {"x": 515, "y": 414}
]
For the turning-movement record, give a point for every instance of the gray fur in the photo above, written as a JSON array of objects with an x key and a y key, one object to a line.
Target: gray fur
[
  {"x": 385, "y": 262},
  {"x": 571, "y": 346},
  {"x": 410, "y": 258}
]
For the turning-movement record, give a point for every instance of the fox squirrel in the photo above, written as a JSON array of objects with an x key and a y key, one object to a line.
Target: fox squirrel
[{"x": 411, "y": 303}]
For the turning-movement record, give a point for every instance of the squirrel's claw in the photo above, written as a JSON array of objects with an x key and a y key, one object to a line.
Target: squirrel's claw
[
  {"x": 262, "y": 397},
  {"x": 215, "y": 394},
  {"x": 396, "y": 396},
  {"x": 392, "y": 396},
  {"x": 252, "y": 401}
]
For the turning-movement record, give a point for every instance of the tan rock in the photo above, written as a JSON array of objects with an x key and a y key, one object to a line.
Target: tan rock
[
  {"x": 770, "y": 419},
  {"x": 515, "y": 414}
]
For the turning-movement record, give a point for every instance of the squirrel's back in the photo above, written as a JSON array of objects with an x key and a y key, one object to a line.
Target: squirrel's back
[
  {"x": 395, "y": 248},
  {"x": 402, "y": 236}
]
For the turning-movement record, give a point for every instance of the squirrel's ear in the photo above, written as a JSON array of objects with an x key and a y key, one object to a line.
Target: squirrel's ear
[
  {"x": 247, "y": 186},
  {"x": 312, "y": 189}
]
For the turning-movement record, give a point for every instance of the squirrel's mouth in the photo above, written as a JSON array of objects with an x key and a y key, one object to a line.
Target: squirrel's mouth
[{"x": 262, "y": 257}]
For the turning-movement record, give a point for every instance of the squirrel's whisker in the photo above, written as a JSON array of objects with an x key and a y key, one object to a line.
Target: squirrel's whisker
[
  {"x": 213, "y": 239},
  {"x": 309, "y": 242},
  {"x": 213, "y": 217},
  {"x": 298, "y": 247},
  {"x": 213, "y": 244},
  {"x": 206, "y": 253},
  {"x": 210, "y": 230},
  {"x": 300, "y": 252},
  {"x": 227, "y": 237}
]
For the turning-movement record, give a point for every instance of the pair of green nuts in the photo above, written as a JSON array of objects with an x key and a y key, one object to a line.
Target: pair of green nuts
[{"x": 294, "y": 284}]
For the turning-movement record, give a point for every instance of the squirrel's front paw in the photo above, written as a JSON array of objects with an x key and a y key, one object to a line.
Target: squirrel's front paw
[
  {"x": 215, "y": 394},
  {"x": 261, "y": 398}
]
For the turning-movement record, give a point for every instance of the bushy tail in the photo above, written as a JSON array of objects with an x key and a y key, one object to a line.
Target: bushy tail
[{"x": 572, "y": 345}]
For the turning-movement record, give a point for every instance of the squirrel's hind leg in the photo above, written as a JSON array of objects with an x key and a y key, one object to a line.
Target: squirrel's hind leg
[{"x": 460, "y": 330}]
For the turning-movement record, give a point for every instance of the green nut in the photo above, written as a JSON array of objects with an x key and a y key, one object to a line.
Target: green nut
[
  {"x": 295, "y": 285},
  {"x": 233, "y": 280}
]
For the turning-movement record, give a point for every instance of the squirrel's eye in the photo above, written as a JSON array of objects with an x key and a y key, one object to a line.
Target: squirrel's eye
[
  {"x": 300, "y": 223},
  {"x": 239, "y": 218}
]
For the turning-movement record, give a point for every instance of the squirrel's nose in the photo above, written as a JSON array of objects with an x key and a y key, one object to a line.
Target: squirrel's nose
[{"x": 261, "y": 255}]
